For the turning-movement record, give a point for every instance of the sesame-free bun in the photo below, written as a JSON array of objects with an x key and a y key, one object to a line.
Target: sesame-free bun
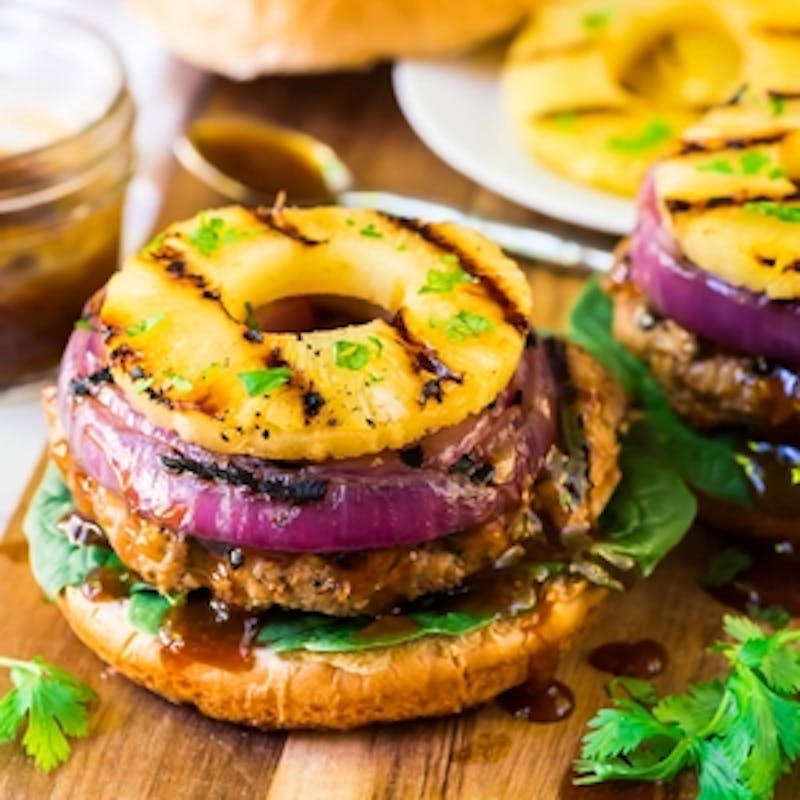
[
  {"x": 256, "y": 37},
  {"x": 430, "y": 676}
]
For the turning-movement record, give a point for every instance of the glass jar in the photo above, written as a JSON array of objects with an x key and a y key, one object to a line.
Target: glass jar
[{"x": 66, "y": 156}]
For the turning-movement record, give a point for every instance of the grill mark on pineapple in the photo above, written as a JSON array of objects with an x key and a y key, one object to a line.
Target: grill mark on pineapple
[
  {"x": 274, "y": 219},
  {"x": 678, "y": 205},
  {"x": 548, "y": 51},
  {"x": 579, "y": 111},
  {"x": 511, "y": 313},
  {"x": 788, "y": 31},
  {"x": 731, "y": 143},
  {"x": 424, "y": 358}
]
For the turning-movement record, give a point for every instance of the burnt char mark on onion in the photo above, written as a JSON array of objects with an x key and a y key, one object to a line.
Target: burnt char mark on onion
[
  {"x": 424, "y": 359},
  {"x": 677, "y": 205},
  {"x": 413, "y": 457},
  {"x": 274, "y": 219},
  {"x": 83, "y": 386},
  {"x": 513, "y": 316},
  {"x": 292, "y": 490},
  {"x": 732, "y": 143}
]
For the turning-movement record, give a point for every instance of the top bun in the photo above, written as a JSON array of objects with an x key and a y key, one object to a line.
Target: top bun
[{"x": 255, "y": 37}]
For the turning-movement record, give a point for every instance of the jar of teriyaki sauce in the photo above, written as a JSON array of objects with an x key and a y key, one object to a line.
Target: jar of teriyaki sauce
[{"x": 66, "y": 156}]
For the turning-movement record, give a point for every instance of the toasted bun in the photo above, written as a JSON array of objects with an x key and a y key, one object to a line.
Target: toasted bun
[
  {"x": 431, "y": 676},
  {"x": 254, "y": 37}
]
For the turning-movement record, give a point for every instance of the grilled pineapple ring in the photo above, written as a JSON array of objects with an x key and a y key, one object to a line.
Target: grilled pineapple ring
[
  {"x": 730, "y": 196},
  {"x": 182, "y": 345},
  {"x": 598, "y": 90}
]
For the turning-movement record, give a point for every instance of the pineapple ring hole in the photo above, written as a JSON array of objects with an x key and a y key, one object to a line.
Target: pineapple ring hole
[
  {"x": 690, "y": 67},
  {"x": 307, "y": 313}
]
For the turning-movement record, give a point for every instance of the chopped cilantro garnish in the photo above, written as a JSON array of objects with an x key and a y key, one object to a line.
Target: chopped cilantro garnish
[
  {"x": 83, "y": 324},
  {"x": 146, "y": 324},
  {"x": 565, "y": 120},
  {"x": 596, "y": 21},
  {"x": 179, "y": 382},
  {"x": 350, "y": 355},
  {"x": 772, "y": 208},
  {"x": 377, "y": 344},
  {"x": 721, "y": 166},
  {"x": 752, "y": 162},
  {"x": 372, "y": 379},
  {"x": 212, "y": 234},
  {"x": 371, "y": 231},
  {"x": 250, "y": 317},
  {"x": 463, "y": 325},
  {"x": 440, "y": 282},
  {"x": 261, "y": 382},
  {"x": 141, "y": 385},
  {"x": 777, "y": 104},
  {"x": 655, "y": 132}
]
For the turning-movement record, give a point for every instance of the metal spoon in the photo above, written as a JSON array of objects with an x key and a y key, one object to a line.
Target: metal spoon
[{"x": 249, "y": 161}]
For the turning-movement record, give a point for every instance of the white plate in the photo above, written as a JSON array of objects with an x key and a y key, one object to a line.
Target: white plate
[{"x": 455, "y": 107}]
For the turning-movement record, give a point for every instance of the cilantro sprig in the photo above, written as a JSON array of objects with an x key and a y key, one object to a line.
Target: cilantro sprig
[
  {"x": 52, "y": 705},
  {"x": 739, "y": 733},
  {"x": 261, "y": 382}
]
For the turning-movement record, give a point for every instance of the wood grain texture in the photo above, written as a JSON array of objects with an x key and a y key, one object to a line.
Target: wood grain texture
[{"x": 143, "y": 747}]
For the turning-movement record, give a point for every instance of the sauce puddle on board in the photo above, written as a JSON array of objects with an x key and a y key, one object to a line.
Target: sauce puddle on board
[
  {"x": 538, "y": 702},
  {"x": 643, "y": 659}
]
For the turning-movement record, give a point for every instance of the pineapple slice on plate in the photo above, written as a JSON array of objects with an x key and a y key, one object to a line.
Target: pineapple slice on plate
[{"x": 598, "y": 90}]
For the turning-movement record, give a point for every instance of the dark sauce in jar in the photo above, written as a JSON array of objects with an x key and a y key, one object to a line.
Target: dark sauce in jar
[
  {"x": 208, "y": 632},
  {"x": 552, "y": 701},
  {"x": 643, "y": 659}
]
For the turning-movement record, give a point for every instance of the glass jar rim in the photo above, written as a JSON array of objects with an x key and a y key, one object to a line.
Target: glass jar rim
[{"x": 16, "y": 9}]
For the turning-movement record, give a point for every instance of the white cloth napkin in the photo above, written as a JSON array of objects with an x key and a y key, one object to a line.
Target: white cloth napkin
[{"x": 163, "y": 89}]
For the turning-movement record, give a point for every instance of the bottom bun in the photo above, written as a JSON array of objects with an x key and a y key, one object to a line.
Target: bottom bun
[{"x": 431, "y": 676}]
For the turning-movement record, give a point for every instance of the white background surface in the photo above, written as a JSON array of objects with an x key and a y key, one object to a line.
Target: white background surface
[{"x": 162, "y": 89}]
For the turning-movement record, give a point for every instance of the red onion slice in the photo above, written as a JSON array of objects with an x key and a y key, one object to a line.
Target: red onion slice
[
  {"x": 366, "y": 503},
  {"x": 733, "y": 317}
]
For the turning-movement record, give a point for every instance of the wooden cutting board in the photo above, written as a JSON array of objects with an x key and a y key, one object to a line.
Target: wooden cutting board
[{"x": 142, "y": 747}]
